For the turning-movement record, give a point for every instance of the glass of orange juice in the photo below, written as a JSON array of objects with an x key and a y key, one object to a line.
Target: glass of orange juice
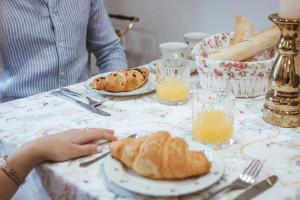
[
  {"x": 173, "y": 81},
  {"x": 213, "y": 117}
]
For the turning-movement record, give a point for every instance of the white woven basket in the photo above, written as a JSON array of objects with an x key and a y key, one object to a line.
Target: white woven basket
[{"x": 244, "y": 79}]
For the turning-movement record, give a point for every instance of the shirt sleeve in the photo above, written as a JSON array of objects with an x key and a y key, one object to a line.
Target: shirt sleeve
[{"x": 102, "y": 40}]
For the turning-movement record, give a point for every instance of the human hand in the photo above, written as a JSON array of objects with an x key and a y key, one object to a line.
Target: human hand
[
  {"x": 69, "y": 144},
  {"x": 58, "y": 147}
]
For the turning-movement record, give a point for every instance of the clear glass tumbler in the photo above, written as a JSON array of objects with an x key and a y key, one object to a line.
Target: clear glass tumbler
[
  {"x": 173, "y": 81},
  {"x": 213, "y": 117}
]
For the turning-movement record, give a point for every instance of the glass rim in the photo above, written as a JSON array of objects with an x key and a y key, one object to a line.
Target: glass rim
[{"x": 229, "y": 95}]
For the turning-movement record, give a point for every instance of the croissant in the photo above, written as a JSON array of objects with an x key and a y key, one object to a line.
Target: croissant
[
  {"x": 160, "y": 156},
  {"x": 123, "y": 81}
]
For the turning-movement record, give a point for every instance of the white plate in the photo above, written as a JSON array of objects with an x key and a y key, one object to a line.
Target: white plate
[
  {"x": 147, "y": 88},
  {"x": 153, "y": 64},
  {"x": 129, "y": 180}
]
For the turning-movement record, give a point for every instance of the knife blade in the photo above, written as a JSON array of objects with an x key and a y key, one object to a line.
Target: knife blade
[
  {"x": 258, "y": 188},
  {"x": 84, "y": 105}
]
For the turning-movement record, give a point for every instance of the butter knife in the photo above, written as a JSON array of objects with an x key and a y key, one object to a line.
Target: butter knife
[
  {"x": 84, "y": 105},
  {"x": 258, "y": 188}
]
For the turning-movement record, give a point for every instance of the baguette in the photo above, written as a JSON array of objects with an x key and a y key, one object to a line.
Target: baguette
[
  {"x": 123, "y": 81},
  {"x": 248, "y": 48},
  {"x": 243, "y": 30}
]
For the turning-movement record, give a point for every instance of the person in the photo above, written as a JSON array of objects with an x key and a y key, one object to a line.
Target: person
[
  {"x": 58, "y": 147},
  {"x": 45, "y": 44}
]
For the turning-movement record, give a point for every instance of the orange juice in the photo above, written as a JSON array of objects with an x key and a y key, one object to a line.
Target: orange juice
[
  {"x": 172, "y": 89},
  {"x": 212, "y": 127}
]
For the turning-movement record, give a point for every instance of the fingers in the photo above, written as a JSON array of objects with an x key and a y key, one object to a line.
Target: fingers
[
  {"x": 88, "y": 149},
  {"x": 111, "y": 131},
  {"x": 93, "y": 134}
]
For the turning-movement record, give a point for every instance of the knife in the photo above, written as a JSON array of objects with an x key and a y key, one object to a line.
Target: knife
[
  {"x": 84, "y": 105},
  {"x": 258, "y": 188}
]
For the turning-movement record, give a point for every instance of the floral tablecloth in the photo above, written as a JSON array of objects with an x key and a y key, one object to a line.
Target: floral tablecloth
[{"x": 26, "y": 119}]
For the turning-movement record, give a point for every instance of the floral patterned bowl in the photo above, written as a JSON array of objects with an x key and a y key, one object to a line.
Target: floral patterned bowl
[{"x": 244, "y": 79}]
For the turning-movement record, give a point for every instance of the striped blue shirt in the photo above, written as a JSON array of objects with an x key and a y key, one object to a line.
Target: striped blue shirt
[{"x": 45, "y": 44}]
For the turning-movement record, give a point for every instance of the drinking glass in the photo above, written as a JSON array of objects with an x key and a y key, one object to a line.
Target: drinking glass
[
  {"x": 173, "y": 81},
  {"x": 213, "y": 117}
]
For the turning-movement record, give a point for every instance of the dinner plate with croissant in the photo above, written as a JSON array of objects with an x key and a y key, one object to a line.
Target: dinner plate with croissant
[
  {"x": 126, "y": 82},
  {"x": 159, "y": 164}
]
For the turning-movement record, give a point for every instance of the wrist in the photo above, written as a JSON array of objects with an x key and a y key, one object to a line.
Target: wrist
[
  {"x": 34, "y": 152},
  {"x": 10, "y": 172},
  {"x": 25, "y": 159}
]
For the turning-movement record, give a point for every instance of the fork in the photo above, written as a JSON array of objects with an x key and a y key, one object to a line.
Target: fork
[
  {"x": 90, "y": 100},
  {"x": 93, "y": 102},
  {"x": 246, "y": 178},
  {"x": 88, "y": 163}
]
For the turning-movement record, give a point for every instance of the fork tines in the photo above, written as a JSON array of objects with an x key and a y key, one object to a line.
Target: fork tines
[{"x": 253, "y": 169}]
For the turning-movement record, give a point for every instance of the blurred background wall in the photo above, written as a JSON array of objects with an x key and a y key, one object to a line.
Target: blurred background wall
[{"x": 167, "y": 20}]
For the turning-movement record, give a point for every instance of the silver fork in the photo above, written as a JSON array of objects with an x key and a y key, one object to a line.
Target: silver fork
[
  {"x": 247, "y": 178},
  {"x": 90, "y": 100},
  {"x": 93, "y": 102},
  {"x": 88, "y": 163}
]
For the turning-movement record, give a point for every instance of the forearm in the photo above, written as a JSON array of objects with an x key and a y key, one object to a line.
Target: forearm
[
  {"x": 112, "y": 59},
  {"x": 63, "y": 146},
  {"x": 23, "y": 161},
  {"x": 7, "y": 187},
  {"x": 102, "y": 40}
]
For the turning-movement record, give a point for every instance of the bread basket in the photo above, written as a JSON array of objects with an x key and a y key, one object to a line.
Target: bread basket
[{"x": 244, "y": 79}]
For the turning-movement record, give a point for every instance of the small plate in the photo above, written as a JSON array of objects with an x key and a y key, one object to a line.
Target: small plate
[
  {"x": 153, "y": 64},
  {"x": 127, "y": 179},
  {"x": 147, "y": 88}
]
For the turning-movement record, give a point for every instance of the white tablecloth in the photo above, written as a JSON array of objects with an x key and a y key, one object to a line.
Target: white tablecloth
[{"x": 26, "y": 119}]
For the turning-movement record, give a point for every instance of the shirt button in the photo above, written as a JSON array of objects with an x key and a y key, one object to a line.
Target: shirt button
[
  {"x": 55, "y": 13},
  {"x": 60, "y": 45},
  {"x": 61, "y": 73}
]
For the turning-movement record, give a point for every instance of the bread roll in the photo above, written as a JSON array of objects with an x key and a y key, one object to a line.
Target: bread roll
[
  {"x": 248, "y": 48},
  {"x": 160, "y": 156},
  {"x": 122, "y": 81}
]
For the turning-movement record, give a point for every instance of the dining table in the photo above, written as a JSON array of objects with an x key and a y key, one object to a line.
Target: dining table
[{"x": 43, "y": 114}]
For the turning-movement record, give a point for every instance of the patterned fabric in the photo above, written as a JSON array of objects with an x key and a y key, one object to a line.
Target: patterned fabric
[
  {"x": 45, "y": 44},
  {"x": 26, "y": 119}
]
